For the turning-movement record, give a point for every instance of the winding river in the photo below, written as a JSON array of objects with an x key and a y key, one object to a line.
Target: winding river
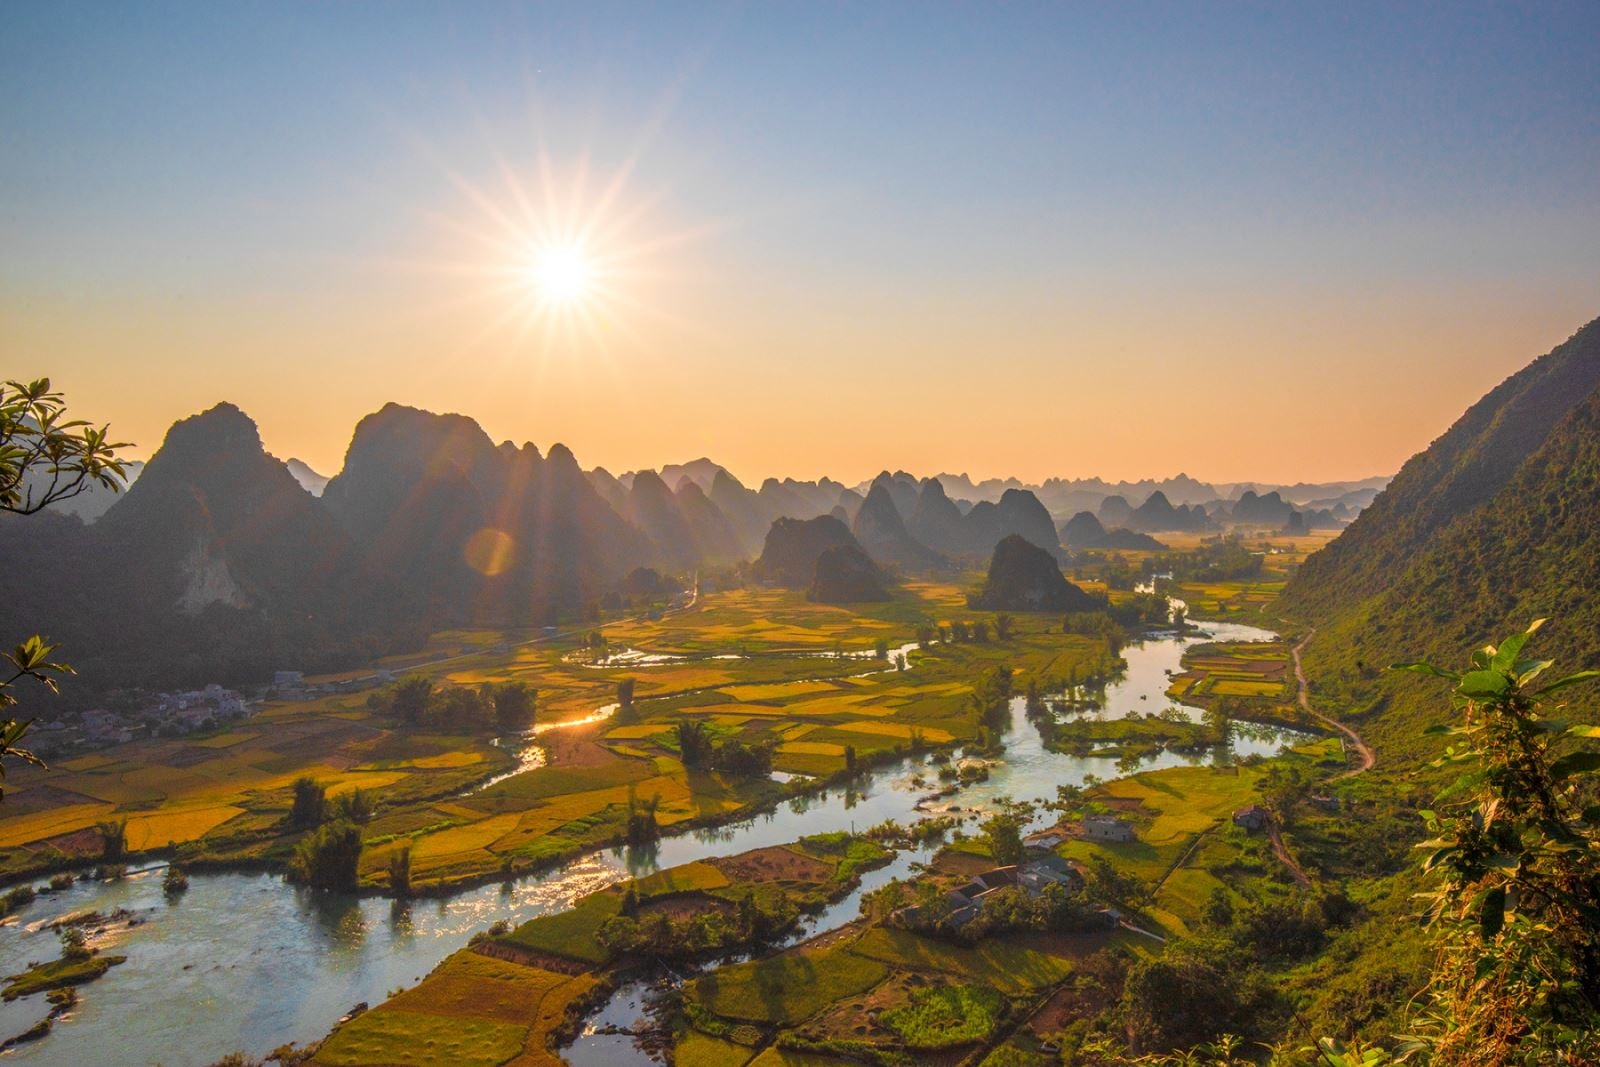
[{"x": 246, "y": 961}]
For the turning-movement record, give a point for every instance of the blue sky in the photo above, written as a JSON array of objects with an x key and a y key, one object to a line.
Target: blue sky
[{"x": 862, "y": 179}]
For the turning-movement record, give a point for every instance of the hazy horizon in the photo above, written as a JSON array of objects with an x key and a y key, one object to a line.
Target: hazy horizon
[{"x": 1248, "y": 245}]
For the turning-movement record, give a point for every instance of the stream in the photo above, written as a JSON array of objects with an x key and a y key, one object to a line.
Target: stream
[{"x": 246, "y": 961}]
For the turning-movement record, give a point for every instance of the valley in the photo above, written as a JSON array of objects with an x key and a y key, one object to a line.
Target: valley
[{"x": 760, "y": 665}]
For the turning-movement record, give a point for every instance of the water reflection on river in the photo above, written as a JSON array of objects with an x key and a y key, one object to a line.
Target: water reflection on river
[{"x": 244, "y": 961}]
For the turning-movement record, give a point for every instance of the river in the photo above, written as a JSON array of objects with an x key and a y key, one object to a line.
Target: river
[{"x": 247, "y": 962}]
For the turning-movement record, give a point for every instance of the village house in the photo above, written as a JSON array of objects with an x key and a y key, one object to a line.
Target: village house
[
  {"x": 1032, "y": 875},
  {"x": 1254, "y": 818},
  {"x": 1107, "y": 828},
  {"x": 1046, "y": 839}
]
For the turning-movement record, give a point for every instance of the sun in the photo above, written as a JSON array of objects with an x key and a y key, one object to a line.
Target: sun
[{"x": 561, "y": 273}]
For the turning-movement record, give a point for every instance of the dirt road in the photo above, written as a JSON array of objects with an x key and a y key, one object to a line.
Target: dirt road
[{"x": 1364, "y": 755}]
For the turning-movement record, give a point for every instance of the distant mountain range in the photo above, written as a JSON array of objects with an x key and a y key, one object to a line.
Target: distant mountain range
[{"x": 221, "y": 561}]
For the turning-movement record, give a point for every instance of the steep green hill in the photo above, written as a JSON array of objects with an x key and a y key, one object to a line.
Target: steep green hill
[
  {"x": 1496, "y": 523},
  {"x": 1454, "y": 477}
]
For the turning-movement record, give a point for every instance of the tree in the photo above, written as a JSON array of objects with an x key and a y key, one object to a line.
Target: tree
[
  {"x": 1192, "y": 992},
  {"x": 1113, "y": 886},
  {"x": 1002, "y": 831},
  {"x": 355, "y": 806},
  {"x": 400, "y": 872},
  {"x": 413, "y": 697},
  {"x": 310, "y": 805},
  {"x": 113, "y": 839},
  {"x": 1002, "y": 626},
  {"x": 515, "y": 706},
  {"x": 625, "y": 692},
  {"x": 1515, "y": 862},
  {"x": 1218, "y": 722},
  {"x": 461, "y": 708},
  {"x": 45, "y": 458},
  {"x": 880, "y": 650},
  {"x": 1282, "y": 789},
  {"x": 642, "y": 826},
  {"x": 329, "y": 859},
  {"x": 991, "y": 696},
  {"x": 694, "y": 742}
]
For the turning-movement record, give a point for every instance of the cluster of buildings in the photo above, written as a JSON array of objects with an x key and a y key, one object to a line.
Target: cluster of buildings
[
  {"x": 1039, "y": 870},
  {"x": 165, "y": 715}
]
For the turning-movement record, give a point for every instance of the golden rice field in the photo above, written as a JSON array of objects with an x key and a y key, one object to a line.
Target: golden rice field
[{"x": 231, "y": 790}]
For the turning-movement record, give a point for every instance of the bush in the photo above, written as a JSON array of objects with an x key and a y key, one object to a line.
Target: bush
[
  {"x": 329, "y": 858},
  {"x": 946, "y": 1016}
]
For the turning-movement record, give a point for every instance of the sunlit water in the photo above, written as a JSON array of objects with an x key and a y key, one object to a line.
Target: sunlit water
[{"x": 246, "y": 961}]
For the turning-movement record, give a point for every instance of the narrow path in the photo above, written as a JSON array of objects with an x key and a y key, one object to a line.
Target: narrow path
[
  {"x": 1182, "y": 860},
  {"x": 1364, "y": 754},
  {"x": 1284, "y": 858}
]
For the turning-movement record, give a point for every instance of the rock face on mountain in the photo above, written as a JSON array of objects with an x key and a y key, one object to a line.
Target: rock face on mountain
[
  {"x": 215, "y": 563},
  {"x": 1083, "y": 531},
  {"x": 214, "y": 519},
  {"x": 846, "y": 575},
  {"x": 1024, "y": 577},
  {"x": 789, "y": 557},
  {"x": 484, "y": 533},
  {"x": 1456, "y": 475},
  {"x": 883, "y": 533}
]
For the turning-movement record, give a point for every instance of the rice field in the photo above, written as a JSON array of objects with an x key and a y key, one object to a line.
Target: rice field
[{"x": 231, "y": 790}]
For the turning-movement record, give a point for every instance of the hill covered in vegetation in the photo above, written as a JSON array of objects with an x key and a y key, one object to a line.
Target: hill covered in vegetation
[
  {"x": 1490, "y": 527},
  {"x": 1024, "y": 577}
]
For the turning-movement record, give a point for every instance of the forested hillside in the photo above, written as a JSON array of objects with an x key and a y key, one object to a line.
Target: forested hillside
[
  {"x": 1453, "y": 477},
  {"x": 1488, "y": 528}
]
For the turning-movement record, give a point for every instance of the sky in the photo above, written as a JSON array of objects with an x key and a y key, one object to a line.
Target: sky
[{"x": 1245, "y": 241}]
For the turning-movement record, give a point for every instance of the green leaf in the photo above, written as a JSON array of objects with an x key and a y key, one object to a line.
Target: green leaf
[
  {"x": 1583, "y": 731},
  {"x": 1492, "y": 916},
  {"x": 1529, "y": 669},
  {"x": 1483, "y": 685},
  {"x": 1569, "y": 680},
  {"x": 1424, "y": 668},
  {"x": 1575, "y": 763},
  {"x": 1505, "y": 657}
]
